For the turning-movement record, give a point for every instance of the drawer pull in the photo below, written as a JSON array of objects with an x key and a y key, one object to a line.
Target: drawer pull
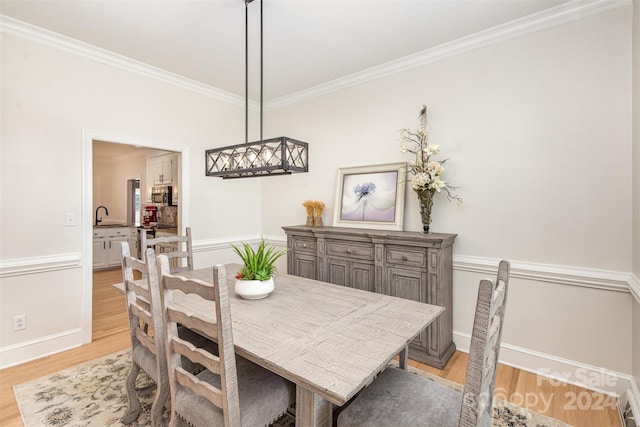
[
  {"x": 348, "y": 250},
  {"x": 304, "y": 245},
  {"x": 405, "y": 258}
]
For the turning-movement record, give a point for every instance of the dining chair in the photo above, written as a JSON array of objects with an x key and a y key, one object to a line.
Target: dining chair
[
  {"x": 399, "y": 398},
  {"x": 147, "y": 335},
  {"x": 179, "y": 249},
  {"x": 231, "y": 390}
]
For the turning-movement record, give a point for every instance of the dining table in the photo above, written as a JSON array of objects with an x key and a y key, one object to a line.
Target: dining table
[{"x": 329, "y": 340}]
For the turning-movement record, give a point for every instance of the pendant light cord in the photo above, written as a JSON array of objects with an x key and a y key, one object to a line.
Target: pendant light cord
[
  {"x": 246, "y": 72},
  {"x": 261, "y": 71}
]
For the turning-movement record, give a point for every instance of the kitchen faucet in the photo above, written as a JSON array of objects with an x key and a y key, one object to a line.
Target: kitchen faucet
[{"x": 106, "y": 211}]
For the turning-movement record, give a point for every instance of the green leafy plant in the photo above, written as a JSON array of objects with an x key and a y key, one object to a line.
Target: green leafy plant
[{"x": 258, "y": 264}]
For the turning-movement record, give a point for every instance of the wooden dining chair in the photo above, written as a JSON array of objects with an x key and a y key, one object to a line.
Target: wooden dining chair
[
  {"x": 147, "y": 335},
  {"x": 230, "y": 391},
  {"x": 399, "y": 398},
  {"x": 177, "y": 248}
]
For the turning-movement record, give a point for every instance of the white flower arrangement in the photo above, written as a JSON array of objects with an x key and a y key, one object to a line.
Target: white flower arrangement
[{"x": 425, "y": 170}]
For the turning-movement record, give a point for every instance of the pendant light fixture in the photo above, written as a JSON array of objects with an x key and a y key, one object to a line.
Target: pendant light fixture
[{"x": 270, "y": 157}]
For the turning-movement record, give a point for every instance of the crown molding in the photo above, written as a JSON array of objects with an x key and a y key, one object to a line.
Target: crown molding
[
  {"x": 36, "y": 34},
  {"x": 558, "y": 15},
  {"x": 566, "y": 12}
]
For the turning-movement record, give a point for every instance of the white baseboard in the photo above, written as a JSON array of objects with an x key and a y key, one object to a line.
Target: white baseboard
[
  {"x": 633, "y": 397},
  {"x": 557, "y": 368},
  {"x": 35, "y": 349}
]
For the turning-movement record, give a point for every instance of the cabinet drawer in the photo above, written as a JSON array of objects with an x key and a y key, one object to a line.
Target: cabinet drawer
[
  {"x": 408, "y": 257},
  {"x": 99, "y": 233},
  {"x": 350, "y": 250},
  {"x": 118, "y": 232},
  {"x": 304, "y": 245}
]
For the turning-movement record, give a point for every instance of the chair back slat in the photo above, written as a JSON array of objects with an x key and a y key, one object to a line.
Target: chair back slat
[
  {"x": 484, "y": 351},
  {"x": 216, "y": 328},
  {"x": 190, "y": 286},
  {"x": 203, "y": 327},
  {"x": 204, "y": 358},
  {"x": 180, "y": 259},
  {"x": 200, "y": 388},
  {"x": 146, "y": 341}
]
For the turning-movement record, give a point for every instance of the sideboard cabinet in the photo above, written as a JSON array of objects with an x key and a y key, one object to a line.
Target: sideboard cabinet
[{"x": 405, "y": 264}]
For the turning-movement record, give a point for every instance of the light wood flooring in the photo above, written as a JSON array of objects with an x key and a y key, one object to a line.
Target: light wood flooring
[{"x": 573, "y": 405}]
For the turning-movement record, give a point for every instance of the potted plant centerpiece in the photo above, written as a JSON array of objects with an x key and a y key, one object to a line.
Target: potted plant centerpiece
[{"x": 255, "y": 279}]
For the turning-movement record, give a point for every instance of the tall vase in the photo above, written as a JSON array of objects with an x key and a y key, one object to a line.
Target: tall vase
[{"x": 426, "y": 203}]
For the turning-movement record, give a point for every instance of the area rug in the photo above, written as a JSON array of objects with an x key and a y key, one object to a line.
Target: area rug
[{"x": 94, "y": 394}]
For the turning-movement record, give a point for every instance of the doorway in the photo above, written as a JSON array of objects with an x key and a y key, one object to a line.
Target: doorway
[{"x": 118, "y": 143}]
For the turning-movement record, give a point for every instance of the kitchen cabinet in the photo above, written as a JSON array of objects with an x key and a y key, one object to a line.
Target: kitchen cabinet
[
  {"x": 162, "y": 169},
  {"x": 408, "y": 265},
  {"x": 107, "y": 252}
]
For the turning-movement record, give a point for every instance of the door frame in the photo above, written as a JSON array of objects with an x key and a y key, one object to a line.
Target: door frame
[{"x": 86, "y": 261}]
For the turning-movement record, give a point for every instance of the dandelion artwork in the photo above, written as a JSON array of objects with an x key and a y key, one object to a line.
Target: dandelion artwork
[{"x": 370, "y": 196}]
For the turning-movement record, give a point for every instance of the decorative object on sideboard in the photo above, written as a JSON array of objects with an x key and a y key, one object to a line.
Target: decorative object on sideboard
[
  {"x": 426, "y": 171},
  {"x": 370, "y": 197},
  {"x": 314, "y": 212},
  {"x": 255, "y": 278},
  {"x": 275, "y": 156}
]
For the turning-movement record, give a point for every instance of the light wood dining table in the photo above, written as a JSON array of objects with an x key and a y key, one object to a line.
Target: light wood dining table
[{"x": 330, "y": 340}]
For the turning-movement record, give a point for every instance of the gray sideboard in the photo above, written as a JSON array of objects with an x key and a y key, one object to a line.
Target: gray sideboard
[{"x": 405, "y": 264}]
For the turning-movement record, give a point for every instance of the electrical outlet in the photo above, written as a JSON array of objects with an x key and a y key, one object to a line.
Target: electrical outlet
[{"x": 19, "y": 322}]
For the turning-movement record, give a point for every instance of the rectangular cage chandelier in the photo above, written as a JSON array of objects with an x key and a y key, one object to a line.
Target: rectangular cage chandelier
[
  {"x": 275, "y": 156},
  {"x": 266, "y": 157}
]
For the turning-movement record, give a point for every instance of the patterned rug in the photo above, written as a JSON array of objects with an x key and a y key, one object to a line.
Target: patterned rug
[{"x": 94, "y": 394}]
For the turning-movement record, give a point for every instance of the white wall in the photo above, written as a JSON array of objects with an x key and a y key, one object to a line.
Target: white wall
[
  {"x": 636, "y": 190},
  {"x": 49, "y": 96},
  {"x": 539, "y": 136},
  {"x": 110, "y": 176}
]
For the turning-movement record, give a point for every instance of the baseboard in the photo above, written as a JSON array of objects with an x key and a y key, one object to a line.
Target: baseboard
[
  {"x": 633, "y": 398},
  {"x": 41, "y": 347},
  {"x": 556, "y": 368}
]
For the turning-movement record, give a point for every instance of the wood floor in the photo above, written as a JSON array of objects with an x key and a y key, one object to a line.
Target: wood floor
[{"x": 573, "y": 405}]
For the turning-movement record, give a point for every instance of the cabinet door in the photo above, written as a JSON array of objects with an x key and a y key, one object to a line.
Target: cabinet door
[
  {"x": 412, "y": 285},
  {"x": 362, "y": 276},
  {"x": 99, "y": 253},
  {"x": 114, "y": 251},
  {"x": 166, "y": 170},
  {"x": 304, "y": 265},
  {"x": 338, "y": 271},
  {"x": 352, "y": 274}
]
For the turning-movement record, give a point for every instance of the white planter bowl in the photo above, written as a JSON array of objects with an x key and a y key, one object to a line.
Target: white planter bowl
[{"x": 254, "y": 289}]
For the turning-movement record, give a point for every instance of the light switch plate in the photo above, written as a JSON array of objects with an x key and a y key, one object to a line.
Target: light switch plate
[{"x": 70, "y": 220}]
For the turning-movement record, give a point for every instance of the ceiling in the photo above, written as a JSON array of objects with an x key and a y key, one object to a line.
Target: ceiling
[{"x": 306, "y": 42}]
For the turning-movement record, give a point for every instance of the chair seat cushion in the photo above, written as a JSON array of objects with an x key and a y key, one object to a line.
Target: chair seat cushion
[
  {"x": 399, "y": 398},
  {"x": 264, "y": 396}
]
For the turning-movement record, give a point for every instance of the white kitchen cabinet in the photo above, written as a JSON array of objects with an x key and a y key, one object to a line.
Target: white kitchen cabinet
[
  {"x": 107, "y": 251},
  {"x": 99, "y": 253},
  {"x": 162, "y": 169}
]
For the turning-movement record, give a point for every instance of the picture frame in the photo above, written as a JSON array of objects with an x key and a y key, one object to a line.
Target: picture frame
[{"x": 370, "y": 197}]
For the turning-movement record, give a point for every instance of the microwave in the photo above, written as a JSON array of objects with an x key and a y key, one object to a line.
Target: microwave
[{"x": 164, "y": 195}]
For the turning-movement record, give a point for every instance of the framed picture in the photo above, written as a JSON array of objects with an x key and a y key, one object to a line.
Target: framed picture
[{"x": 370, "y": 197}]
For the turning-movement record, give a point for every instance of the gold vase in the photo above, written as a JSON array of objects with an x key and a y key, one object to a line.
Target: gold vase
[
  {"x": 425, "y": 197},
  {"x": 309, "y": 221}
]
